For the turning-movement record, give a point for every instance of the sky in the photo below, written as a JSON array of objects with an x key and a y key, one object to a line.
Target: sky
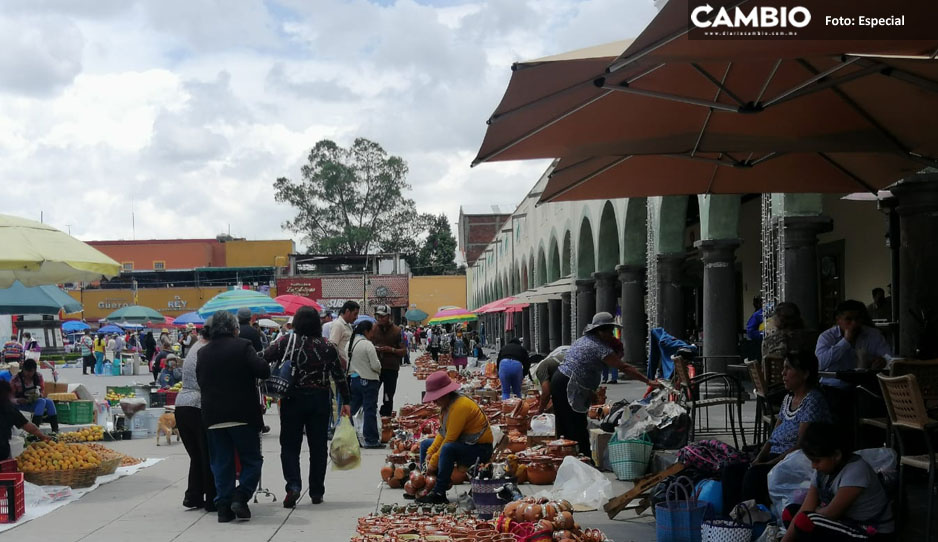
[{"x": 147, "y": 119}]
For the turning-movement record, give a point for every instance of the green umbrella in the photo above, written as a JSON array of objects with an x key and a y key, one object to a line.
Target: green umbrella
[
  {"x": 19, "y": 299},
  {"x": 415, "y": 315},
  {"x": 136, "y": 314}
]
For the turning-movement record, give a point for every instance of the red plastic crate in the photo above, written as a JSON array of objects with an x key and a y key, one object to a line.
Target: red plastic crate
[
  {"x": 8, "y": 465},
  {"x": 171, "y": 397},
  {"x": 12, "y": 497}
]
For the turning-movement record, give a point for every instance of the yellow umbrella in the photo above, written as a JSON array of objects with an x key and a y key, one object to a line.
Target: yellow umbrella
[{"x": 37, "y": 254}]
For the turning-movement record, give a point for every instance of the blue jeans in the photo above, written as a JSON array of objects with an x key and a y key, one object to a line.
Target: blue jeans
[
  {"x": 41, "y": 407},
  {"x": 365, "y": 397},
  {"x": 510, "y": 372},
  {"x": 222, "y": 446},
  {"x": 610, "y": 374},
  {"x": 452, "y": 454},
  {"x": 305, "y": 410}
]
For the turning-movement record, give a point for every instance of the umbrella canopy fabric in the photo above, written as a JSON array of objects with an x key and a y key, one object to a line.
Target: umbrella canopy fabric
[
  {"x": 268, "y": 323},
  {"x": 292, "y": 303},
  {"x": 189, "y": 318},
  {"x": 74, "y": 326},
  {"x": 500, "y": 305},
  {"x": 232, "y": 300},
  {"x": 415, "y": 315},
  {"x": 110, "y": 328},
  {"x": 452, "y": 316},
  {"x": 19, "y": 299},
  {"x": 37, "y": 254},
  {"x": 136, "y": 314}
]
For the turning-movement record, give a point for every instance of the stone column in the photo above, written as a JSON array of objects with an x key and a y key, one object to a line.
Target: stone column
[
  {"x": 585, "y": 304},
  {"x": 554, "y": 308},
  {"x": 918, "y": 260},
  {"x": 543, "y": 328},
  {"x": 517, "y": 324},
  {"x": 607, "y": 291},
  {"x": 801, "y": 263},
  {"x": 670, "y": 294},
  {"x": 566, "y": 311},
  {"x": 634, "y": 322},
  {"x": 532, "y": 328},
  {"x": 719, "y": 292},
  {"x": 525, "y": 330}
]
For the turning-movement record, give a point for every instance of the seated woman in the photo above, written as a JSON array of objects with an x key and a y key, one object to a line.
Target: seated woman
[
  {"x": 846, "y": 500},
  {"x": 10, "y": 417},
  {"x": 464, "y": 437},
  {"x": 28, "y": 391},
  {"x": 171, "y": 373},
  {"x": 802, "y": 406}
]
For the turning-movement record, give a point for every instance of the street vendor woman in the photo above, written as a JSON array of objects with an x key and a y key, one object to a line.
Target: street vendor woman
[
  {"x": 10, "y": 417},
  {"x": 577, "y": 379},
  {"x": 464, "y": 437},
  {"x": 28, "y": 389}
]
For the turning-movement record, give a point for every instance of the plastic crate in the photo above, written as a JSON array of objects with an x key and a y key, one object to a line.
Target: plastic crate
[
  {"x": 157, "y": 400},
  {"x": 75, "y": 412},
  {"x": 8, "y": 465},
  {"x": 12, "y": 497},
  {"x": 171, "y": 397}
]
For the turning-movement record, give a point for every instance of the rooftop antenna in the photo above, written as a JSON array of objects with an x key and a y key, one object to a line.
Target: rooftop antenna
[{"x": 133, "y": 224}]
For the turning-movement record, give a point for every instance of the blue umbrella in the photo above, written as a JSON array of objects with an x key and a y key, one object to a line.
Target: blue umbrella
[
  {"x": 74, "y": 326},
  {"x": 189, "y": 318},
  {"x": 232, "y": 300},
  {"x": 110, "y": 328},
  {"x": 19, "y": 299}
]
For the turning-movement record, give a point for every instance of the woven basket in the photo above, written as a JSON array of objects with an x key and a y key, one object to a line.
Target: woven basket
[
  {"x": 74, "y": 478},
  {"x": 109, "y": 464},
  {"x": 629, "y": 458}
]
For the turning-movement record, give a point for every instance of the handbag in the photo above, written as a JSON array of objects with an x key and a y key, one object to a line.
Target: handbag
[
  {"x": 679, "y": 519},
  {"x": 727, "y": 530},
  {"x": 280, "y": 380}
]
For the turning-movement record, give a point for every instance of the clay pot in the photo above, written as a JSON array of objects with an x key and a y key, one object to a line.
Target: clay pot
[
  {"x": 386, "y": 472},
  {"x": 542, "y": 473},
  {"x": 459, "y": 477},
  {"x": 561, "y": 447},
  {"x": 515, "y": 446}
]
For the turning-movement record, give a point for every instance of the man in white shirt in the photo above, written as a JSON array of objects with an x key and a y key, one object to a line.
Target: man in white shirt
[{"x": 340, "y": 331}]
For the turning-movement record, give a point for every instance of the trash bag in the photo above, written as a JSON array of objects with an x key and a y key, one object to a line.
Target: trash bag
[
  {"x": 579, "y": 483},
  {"x": 883, "y": 462},
  {"x": 789, "y": 481},
  {"x": 344, "y": 451}
]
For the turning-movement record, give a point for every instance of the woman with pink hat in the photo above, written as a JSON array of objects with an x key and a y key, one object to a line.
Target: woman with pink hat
[{"x": 464, "y": 437}]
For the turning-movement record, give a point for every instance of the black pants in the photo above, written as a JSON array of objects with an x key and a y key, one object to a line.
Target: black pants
[
  {"x": 389, "y": 383},
  {"x": 87, "y": 362},
  {"x": 201, "y": 487},
  {"x": 435, "y": 353},
  {"x": 742, "y": 482},
  {"x": 570, "y": 424},
  {"x": 305, "y": 409}
]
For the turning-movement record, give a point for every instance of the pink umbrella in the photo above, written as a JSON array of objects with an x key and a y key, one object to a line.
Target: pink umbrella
[{"x": 292, "y": 303}]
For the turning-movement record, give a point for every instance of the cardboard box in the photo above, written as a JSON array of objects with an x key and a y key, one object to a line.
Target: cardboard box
[
  {"x": 56, "y": 387},
  {"x": 599, "y": 445}
]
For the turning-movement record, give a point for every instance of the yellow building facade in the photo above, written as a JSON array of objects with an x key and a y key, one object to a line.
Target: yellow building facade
[
  {"x": 430, "y": 293},
  {"x": 169, "y": 301}
]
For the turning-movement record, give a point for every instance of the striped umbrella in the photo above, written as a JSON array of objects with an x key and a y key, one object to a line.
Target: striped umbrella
[
  {"x": 452, "y": 316},
  {"x": 232, "y": 300}
]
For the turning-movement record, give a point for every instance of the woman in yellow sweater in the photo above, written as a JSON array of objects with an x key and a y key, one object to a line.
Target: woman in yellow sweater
[{"x": 464, "y": 437}]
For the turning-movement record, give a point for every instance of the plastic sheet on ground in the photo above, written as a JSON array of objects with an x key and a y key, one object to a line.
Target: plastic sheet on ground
[
  {"x": 641, "y": 417},
  {"x": 39, "y": 502},
  {"x": 580, "y": 484}
]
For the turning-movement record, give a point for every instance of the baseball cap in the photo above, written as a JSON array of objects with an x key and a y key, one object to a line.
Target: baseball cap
[{"x": 382, "y": 310}]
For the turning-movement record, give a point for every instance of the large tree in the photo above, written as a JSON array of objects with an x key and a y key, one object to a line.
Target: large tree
[
  {"x": 437, "y": 256},
  {"x": 349, "y": 200}
]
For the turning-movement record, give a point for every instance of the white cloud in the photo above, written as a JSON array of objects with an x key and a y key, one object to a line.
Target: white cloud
[{"x": 182, "y": 113}]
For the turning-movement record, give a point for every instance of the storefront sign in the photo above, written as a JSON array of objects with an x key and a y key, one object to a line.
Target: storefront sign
[{"x": 112, "y": 304}]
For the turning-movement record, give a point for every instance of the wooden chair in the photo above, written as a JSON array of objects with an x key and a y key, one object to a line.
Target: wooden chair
[
  {"x": 729, "y": 391},
  {"x": 906, "y": 408},
  {"x": 765, "y": 411}
]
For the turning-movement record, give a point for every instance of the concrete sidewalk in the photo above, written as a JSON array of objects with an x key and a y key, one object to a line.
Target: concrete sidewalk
[{"x": 148, "y": 506}]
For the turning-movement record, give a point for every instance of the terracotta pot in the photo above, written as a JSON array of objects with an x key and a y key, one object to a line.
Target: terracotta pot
[
  {"x": 541, "y": 473},
  {"x": 562, "y": 447},
  {"x": 516, "y": 446},
  {"x": 458, "y": 477}
]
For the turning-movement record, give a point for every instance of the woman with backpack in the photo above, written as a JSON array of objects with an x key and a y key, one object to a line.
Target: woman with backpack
[{"x": 459, "y": 348}]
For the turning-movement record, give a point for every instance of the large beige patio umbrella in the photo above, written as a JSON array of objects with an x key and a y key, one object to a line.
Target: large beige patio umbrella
[
  {"x": 668, "y": 94},
  {"x": 37, "y": 254}
]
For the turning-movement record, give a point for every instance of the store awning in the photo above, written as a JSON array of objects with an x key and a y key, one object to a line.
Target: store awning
[{"x": 544, "y": 293}]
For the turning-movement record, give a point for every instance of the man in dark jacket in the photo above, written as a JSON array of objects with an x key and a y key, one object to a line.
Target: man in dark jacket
[
  {"x": 247, "y": 331},
  {"x": 388, "y": 343},
  {"x": 227, "y": 372}
]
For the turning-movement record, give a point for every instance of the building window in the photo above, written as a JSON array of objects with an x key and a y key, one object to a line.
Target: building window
[
  {"x": 127, "y": 266},
  {"x": 159, "y": 265}
]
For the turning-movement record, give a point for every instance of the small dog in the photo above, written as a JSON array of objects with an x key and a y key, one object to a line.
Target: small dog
[{"x": 167, "y": 425}]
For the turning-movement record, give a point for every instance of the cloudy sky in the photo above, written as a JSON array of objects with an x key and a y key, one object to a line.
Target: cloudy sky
[{"x": 186, "y": 111}]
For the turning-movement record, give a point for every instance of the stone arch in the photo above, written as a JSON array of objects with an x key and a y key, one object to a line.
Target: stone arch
[
  {"x": 524, "y": 276},
  {"x": 506, "y": 288},
  {"x": 670, "y": 221},
  {"x": 608, "y": 246},
  {"x": 719, "y": 216},
  {"x": 532, "y": 280},
  {"x": 585, "y": 254},
  {"x": 635, "y": 232},
  {"x": 565, "y": 255},
  {"x": 541, "y": 275},
  {"x": 553, "y": 260}
]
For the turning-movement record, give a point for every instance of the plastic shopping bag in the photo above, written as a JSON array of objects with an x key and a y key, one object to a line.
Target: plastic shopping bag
[
  {"x": 580, "y": 484},
  {"x": 789, "y": 481},
  {"x": 344, "y": 451},
  {"x": 544, "y": 424}
]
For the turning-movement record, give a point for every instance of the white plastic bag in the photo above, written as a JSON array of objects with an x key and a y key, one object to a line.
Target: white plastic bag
[
  {"x": 580, "y": 484},
  {"x": 789, "y": 481},
  {"x": 544, "y": 424},
  {"x": 883, "y": 462},
  {"x": 647, "y": 417}
]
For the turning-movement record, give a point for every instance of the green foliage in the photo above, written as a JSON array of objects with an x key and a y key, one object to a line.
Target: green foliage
[
  {"x": 438, "y": 254},
  {"x": 349, "y": 200}
]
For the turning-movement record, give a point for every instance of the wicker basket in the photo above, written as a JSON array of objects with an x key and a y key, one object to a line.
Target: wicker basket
[
  {"x": 109, "y": 464},
  {"x": 630, "y": 457},
  {"x": 74, "y": 478}
]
